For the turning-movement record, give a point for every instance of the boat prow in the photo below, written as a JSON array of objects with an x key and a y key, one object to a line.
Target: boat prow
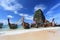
[{"x": 1, "y": 24}]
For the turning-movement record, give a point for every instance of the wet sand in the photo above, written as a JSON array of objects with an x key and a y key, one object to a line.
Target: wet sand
[{"x": 52, "y": 34}]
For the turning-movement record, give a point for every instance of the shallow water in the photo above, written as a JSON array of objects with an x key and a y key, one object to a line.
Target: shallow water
[{"x": 6, "y": 28}]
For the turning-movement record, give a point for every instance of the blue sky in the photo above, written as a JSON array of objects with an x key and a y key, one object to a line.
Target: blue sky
[{"x": 15, "y": 9}]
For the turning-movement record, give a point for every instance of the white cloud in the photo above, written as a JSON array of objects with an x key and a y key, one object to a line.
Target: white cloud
[
  {"x": 9, "y": 16},
  {"x": 55, "y": 6},
  {"x": 5, "y": 22},
  {"x": 21, "y": 14},
  {"x": 57, "y": 15},
  {"x": 28, "y": 17},
  {"x": 15, "y": 12},
  {"x": 10, "y": 5},
  {"x": 51, "y": 10},
  {"x": 40, "y": 6},
  {"x": 52, "y": 13}
]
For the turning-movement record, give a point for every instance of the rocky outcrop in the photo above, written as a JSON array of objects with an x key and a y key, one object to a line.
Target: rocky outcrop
[{"x": 39, "y": 16}]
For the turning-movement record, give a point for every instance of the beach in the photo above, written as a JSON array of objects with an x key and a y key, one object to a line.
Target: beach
[{"x": 32, "y": 34}]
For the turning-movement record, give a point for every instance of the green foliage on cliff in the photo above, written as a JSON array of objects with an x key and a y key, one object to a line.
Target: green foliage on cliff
[{"x": 39, "y": 16}]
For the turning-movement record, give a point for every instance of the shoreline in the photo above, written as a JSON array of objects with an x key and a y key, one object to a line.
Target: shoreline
[
  {"x": 51, "y": 33},
  {"x": 21, "y": 31}
]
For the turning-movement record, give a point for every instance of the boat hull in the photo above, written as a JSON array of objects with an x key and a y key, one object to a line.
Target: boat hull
[{"x": 1, "y": 24}]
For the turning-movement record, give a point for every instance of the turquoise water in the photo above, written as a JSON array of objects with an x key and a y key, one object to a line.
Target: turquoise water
[{"x": 6, "y": 27}]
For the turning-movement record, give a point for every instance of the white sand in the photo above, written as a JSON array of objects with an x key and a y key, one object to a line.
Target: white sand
[{"x": 52, "y": 33}]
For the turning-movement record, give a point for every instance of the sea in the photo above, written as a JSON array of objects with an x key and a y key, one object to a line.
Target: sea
[{"x": 6, "y": 28}]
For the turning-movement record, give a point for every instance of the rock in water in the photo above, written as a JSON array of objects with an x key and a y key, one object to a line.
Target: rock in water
[{"x": 39, "y": 17}]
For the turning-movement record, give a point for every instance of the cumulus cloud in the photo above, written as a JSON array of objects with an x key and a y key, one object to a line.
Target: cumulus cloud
[
  {"x": 10, "y": 5},
  {"x": 9, "y": 16},
  {"x": 27, "y": 17},
  {"x": 40, "y": 6}
]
